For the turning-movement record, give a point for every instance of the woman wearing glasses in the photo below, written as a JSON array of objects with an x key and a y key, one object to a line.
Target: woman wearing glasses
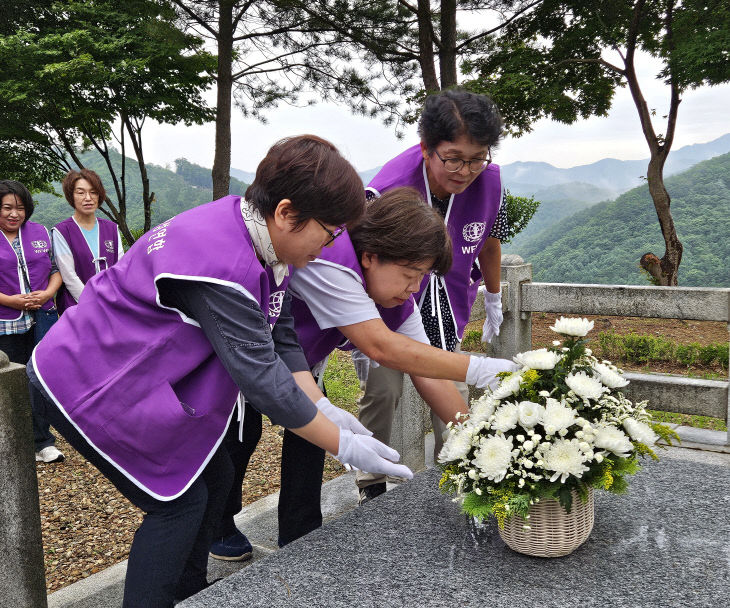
[
  {"x": 82, "y": 244},
  {"x": 143, "y": 376},
  {"x": 452, "y": 169},
  {"x": 359, "y": 293}
]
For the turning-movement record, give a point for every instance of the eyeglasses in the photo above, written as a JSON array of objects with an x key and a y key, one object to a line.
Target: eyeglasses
[
  {"x": 333, "y": 235},
  {"x": 452, "y": 165},
  {"x": 83, "y": 193}
]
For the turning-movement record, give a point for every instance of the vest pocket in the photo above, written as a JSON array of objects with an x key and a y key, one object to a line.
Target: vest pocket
[{"x": 147, "y": 432}]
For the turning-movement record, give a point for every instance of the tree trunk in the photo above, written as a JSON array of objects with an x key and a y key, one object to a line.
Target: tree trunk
[
  {"x": 666, "y": 274},
  {"x": 425, "y": 47},
  {"x": 221, "y": 172},
  {"x": 135, "y": 135},
  {"x": 447, "y": 54}
]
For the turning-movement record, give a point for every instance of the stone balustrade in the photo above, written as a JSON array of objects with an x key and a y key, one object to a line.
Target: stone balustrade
[{"x": 521, "y": 298}]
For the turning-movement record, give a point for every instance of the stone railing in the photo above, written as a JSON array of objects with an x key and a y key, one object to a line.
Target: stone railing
[{"x": 521, "y": 297}]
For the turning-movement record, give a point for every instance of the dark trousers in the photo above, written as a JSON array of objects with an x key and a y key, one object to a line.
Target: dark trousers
[
  {"x": 19, "y": 348},
  {"x": 169, "y": 556},
  {"x": 302, "y": 466}
]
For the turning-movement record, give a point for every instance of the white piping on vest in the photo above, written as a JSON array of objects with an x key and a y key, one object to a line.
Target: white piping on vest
[
  {"x": 438, "y": 309},
  {"x": 21, "y": 280},
  {"x": 97, "y": 264},
  {"x": 436, "y": 301},
  {"x": 240, "y": 405},
  {"x": 119, "y": 468}
]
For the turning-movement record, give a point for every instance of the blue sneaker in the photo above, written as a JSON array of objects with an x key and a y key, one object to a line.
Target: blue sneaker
[{"x": 233, "y": 548}]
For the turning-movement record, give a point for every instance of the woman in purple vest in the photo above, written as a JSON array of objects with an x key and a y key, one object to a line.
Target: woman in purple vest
[
  {"x": 360, "y": 293},
  {"x": 452, "y": 169},
  {"x": 28, "y": 281},
  {"x": 82, "y": 244},
  {"x": 143, "y": 376}
]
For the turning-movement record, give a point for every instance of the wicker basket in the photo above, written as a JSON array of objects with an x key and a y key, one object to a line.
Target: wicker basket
[{"x": 553, "y": 532}]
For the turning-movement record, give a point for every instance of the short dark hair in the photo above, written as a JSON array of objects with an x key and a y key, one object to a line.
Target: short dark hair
[
  {"x": 310, "y": 172},
  {"x": 10, "y": 186},
  {"x": 69, "y": 183},
  {"x": 450, "y": 114},
  {"x": 400, "y": 227}
]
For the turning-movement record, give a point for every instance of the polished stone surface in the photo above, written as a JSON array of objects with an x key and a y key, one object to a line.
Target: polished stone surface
[{"x": 665, "y": 543}]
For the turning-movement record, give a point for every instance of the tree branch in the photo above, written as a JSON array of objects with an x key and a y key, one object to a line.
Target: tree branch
[
  {"x": 195, "y": 17},
  {"x": 468, "y": 41},
  {"x": 598, "y": 60}
]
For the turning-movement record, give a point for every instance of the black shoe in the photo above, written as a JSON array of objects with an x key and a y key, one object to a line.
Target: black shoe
[
  {"x": 233, "y": 548},
  {"x": 372, "y": 491}
]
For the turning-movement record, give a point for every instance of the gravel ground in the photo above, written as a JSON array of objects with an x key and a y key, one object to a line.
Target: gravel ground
[{"x": 88, "y": 526}]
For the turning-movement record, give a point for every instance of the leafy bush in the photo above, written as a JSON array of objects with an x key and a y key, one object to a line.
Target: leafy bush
[
  {"x": 644, "y": 349},
  {"x": 687, "y": 354},
  {"x": 520, "y": 210}
]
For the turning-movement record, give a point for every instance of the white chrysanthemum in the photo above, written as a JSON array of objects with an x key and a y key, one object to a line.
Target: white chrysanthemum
[
  {"x": 612, "y": 439},
  {"x": 585, "y": 386},
  {"x": 609, "y": 377},
  {"x": 569, "y": 326},
  {"x": 640, "y": 431},
  {"x": 481, "y": 409},
  {"x": 457, "y": 446},
  {"x": 530, "y": 414},
  {"x": 565, "y": 458},
  {"x": 493, "y": 457},
  {"x": 542, "y": 358},
  {"x": 557, "y": 416},
  {"x": 505, "y": 417},
  {"x": 509, "y": 386}
]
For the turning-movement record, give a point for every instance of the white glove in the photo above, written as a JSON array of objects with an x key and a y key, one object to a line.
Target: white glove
[
  {"x": 362, "y": 366},
  {"x": 493, "y": 310},
  {"x": 370, "y": 455},
  {"x": 482, "y": 371},
  {"x": 342, "y": 418}
]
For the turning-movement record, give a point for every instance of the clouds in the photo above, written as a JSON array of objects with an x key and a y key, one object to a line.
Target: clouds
[{"x": 368, "y": 144}]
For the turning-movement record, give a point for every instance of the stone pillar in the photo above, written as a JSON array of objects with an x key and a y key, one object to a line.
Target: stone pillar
[
  {"x": 411, "y": 419},
  {"x": 515, "y": 334},
  {"x": 22, "y": 574}
]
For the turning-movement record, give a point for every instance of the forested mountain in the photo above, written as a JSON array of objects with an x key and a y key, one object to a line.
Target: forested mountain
[
  {"x": 556, "y": 203},
  {"x": 174, "y": 192},
  {"x": 603, "y": 244}
]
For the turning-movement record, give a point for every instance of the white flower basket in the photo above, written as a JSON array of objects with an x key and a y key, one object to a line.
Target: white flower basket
[{"x": 553, "y": 532}]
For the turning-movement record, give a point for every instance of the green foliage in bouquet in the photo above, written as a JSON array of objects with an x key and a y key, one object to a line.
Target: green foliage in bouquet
[{"x": 557, "y": 425}]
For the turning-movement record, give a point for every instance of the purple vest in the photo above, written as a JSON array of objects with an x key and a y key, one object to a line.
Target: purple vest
[
  {"x": 36, "y": 246},
  {"x": 318, "y": 343},
  {"x": 139, "y": 380},
  {"x": 83, "y": 257},
  {"x": 469, "y": 219}
]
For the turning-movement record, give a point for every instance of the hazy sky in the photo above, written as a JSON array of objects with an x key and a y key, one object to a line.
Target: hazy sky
[{"x": 703, "y": 116}]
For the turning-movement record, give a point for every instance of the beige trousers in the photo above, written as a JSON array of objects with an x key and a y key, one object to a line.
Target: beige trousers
[{"x": 377, "y": 408}]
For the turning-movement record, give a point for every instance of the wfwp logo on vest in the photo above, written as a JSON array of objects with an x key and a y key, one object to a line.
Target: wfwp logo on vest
[
  {"x": 472, "y": 233},
  {"x": 275, "y": 301},
  {"x": 39, "y": 246}
]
